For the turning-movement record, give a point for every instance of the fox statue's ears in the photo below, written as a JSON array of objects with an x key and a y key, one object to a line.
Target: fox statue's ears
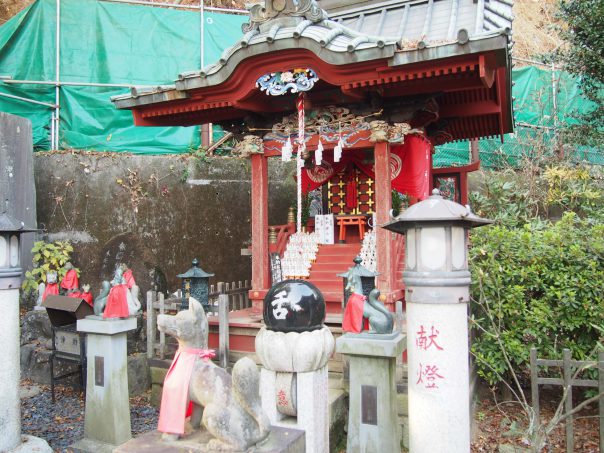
[{"x": 196, "y": 308}]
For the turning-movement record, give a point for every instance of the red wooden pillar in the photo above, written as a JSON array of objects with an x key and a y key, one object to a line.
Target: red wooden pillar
[
  {"x": 383, "y": 204},
  {"x": 260, "y": 270}
]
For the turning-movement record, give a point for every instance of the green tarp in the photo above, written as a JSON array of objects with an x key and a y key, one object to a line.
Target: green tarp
[
  {"x": 105, "y": 42},
  {"x": 115, "y": 43},
  {"x": 538, "y": 114}
]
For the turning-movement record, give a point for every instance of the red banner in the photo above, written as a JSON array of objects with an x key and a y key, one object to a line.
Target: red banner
[{"x": 410, "y": 165}]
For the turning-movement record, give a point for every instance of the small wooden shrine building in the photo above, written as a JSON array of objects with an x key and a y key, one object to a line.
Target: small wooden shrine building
[{"x": 384, "y": 82}]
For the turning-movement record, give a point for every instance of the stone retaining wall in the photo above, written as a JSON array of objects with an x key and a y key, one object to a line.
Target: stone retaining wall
[{"x": 156, "y": 213}]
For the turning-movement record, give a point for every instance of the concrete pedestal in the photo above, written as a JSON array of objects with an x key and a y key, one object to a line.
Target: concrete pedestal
[
  {"x": 312, "y": 406},
  {"x": 11, "y": 440},
  {"x": 439, "y": 384},
  {"x": 107, "y": 419},
  {"x": 294, "y": 382},
  {"x": 372, "y": 420},
  {"x": 10, "y": 415},
  {"x": 280, "y": 440}
]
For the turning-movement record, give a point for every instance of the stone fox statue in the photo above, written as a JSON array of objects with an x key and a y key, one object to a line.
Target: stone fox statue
[
  {"x": 380, "y": 319},
  {"x": 228, "y": 407}
]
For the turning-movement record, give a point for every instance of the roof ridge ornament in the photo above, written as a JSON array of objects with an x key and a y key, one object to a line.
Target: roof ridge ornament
[{"x": 273, "y": 9}]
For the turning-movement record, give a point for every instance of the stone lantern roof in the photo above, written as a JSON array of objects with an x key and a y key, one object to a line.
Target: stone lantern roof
[
  {"x": 435, "y": 209},
  {"x": 195, "y": 271},
  {"x": 9, "y": 224}
]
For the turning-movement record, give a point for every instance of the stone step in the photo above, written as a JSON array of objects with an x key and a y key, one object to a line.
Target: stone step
[
  {"x": 328, "y": 285},
  {"x": 331, "y": 267},
  {"x": 340, "y": 248},
  {"x": 333, "y": 296},
  {"x": 329, "y": 274}
]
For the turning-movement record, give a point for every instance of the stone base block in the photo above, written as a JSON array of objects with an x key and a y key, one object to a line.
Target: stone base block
[
  {"x": 280, "y": 440},
  {"x": 312, "y": 402},
  {"x": 91, "y": 446},
  {"x": 31, "y": 444}
]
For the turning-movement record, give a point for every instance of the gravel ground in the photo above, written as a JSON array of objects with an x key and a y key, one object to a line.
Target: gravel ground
[{"x": 62, "y": 423}]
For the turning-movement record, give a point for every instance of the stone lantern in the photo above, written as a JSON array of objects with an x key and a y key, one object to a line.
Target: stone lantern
[
  {"x": 367, "y": 278},
  {"x": 10, "y": 262},
  {"x": 10, "y": 282},
  {"x": 437, "y": 281},
  {"x": 195, "y": 283}
]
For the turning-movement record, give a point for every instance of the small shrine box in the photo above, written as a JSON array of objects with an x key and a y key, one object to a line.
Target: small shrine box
[
  {"x": 63, "y": 310},
  {"x": 63, "y": 313},
  {"x": 67, "y": 343}
]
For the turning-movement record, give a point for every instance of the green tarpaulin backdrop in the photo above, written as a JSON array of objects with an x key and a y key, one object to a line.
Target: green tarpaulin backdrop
[
  {"x": 536, "y": 122},
  {"x": 106, "y": 42}
]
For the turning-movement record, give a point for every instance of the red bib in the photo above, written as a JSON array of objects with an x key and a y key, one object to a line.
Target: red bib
[
  {"x": 353, "y": 315},
  {"x": 117, "y": 303}
]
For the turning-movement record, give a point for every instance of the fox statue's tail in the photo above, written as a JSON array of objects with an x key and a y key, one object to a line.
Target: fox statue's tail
[
  {"x": 246, "y": 390},
  {"x": 377, "y": 305}
]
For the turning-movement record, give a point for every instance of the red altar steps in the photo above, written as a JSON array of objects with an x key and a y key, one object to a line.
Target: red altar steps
[{"x": 332, "y": 260}]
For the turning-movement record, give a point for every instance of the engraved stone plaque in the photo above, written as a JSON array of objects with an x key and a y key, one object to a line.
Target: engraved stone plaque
[
  {"x": 99, "y": 371},
  {"x": 369, "y": 404}
]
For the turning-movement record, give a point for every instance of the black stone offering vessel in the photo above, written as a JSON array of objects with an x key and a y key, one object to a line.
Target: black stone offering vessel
[{"x": 294, "y": 306}]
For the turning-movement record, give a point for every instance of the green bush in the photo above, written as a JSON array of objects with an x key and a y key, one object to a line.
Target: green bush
[
  {"x": 47, "y": 256},
  {"x": 539, "y": 285}
]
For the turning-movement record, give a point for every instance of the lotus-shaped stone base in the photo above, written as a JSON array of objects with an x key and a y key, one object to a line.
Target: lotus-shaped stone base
[{"x": 295, "y": 352}]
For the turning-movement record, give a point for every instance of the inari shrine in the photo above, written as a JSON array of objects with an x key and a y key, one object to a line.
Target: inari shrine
[{"x": 358, "y": 98}]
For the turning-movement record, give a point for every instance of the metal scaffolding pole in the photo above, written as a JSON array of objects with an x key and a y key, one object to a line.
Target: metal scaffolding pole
[
  {"x": 176, "y": 5},
  {"x": 75, "y": 84},
  {"x": 57, "y": 117},
  {"x": 202, "y": 62},
  {"x": 201, "y": 35},
  {"x": 19, "y": 98}
]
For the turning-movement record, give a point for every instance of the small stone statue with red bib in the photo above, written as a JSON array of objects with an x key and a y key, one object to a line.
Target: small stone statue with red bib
[
  {"x": 122, "y": 300},
  {"x": 70, "y": 282},
  {"x": 48, "y": 288}
]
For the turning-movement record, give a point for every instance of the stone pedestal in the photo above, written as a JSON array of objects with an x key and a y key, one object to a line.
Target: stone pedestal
[
  {"x": 372, "y": 419},
  {"x": 280, "y": 440},
  {"x": 107, "y": 419},
  {"x": 10, "y": 415},
  {"x": 439, "y": 384},
  {"x": 294, "y": 382},
  {"x": 11, "y": 440}
]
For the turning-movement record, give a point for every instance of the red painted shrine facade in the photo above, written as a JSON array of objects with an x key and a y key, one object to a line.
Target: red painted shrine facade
[{"x": 388, "y": 101}]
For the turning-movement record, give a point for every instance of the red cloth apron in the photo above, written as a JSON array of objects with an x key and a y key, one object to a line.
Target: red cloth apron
[
  {"x": 117, "y": 303},
  {"x": 70, "y": 281},
  {"x": 129, "y": 278},
  {"x": 51, "y": 289},
  {"x": 86, "y": 296},
  {"x": 353, "y": 315},
  {"x": 175, "y": 394}
]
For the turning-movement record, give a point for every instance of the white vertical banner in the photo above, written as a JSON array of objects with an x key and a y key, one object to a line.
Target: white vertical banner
[
  {"x": 319, "y": 221},
  {"x": 439, "y": 384},
  {"x": 328, "y": 226},
  {"x": 324, "y": 225}
]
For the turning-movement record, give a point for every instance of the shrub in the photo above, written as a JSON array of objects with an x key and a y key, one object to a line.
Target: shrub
[
  {"x": 47, "y": 256},
  {"x": 542, "y": 285}
]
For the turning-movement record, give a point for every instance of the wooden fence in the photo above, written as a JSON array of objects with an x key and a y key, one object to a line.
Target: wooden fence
[
  {"x": 568, "y": 381},
  {"x": 223, "y": 298}
]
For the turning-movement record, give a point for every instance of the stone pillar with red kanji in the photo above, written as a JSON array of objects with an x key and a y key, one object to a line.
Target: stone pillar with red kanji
[{"x": 437, "y": 281}]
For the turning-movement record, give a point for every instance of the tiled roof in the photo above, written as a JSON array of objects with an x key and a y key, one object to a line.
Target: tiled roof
[
  {"x": 371, "y": 32},
  {"x": 338, "y": 45},
  {"x": 428, "y": 20}
]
